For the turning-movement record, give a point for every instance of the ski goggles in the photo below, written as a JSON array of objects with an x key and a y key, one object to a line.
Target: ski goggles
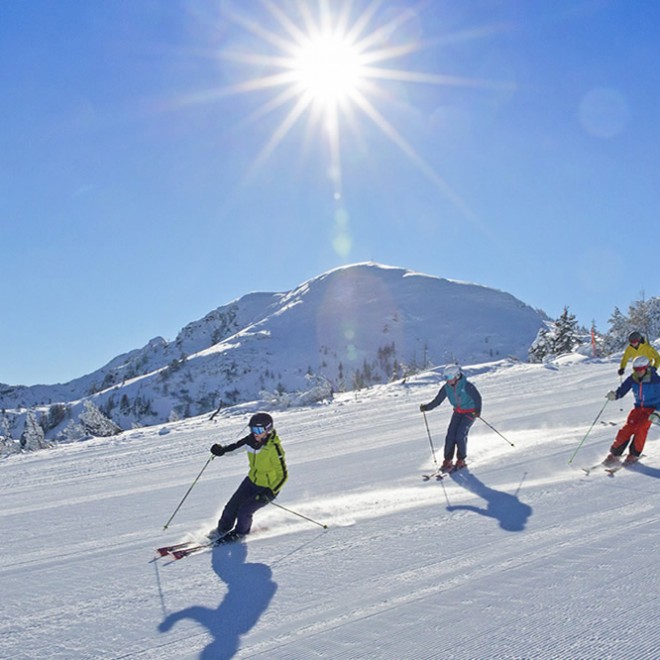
[
  {"x": 258, "y": 430},
  {"x": 640, "y": 369}
]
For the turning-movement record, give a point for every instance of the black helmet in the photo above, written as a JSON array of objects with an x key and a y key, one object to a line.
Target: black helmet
[
  {"x": 261, "y": 423},
  {"x": 635, "y": 337}
]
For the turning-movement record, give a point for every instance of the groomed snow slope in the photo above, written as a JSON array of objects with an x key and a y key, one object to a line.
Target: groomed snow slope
[{"x": 522, "y": 556}]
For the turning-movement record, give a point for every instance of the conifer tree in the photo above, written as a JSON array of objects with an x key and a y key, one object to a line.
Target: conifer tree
[
  {"x": 542, "y": 345},
  {"x": 566, "y": 338},
  {"x": 644, "y": 316},
  {"x": 617, "y": 335},
  {"x": 96, "y": 423},
  {"x": 33, "y": 436},
  {"x": 7, "y": 444}
]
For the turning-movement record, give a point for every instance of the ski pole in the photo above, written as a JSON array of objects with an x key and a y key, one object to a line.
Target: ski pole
[
  {"x": 167, "y": 524},
  {"x": 490, "y": 426},
  {"x": 444, "y": 490},
  {"x": 428, "y": 432},
  {"x": 570, "y": 460},
  {"x": 300, "y": 515}
]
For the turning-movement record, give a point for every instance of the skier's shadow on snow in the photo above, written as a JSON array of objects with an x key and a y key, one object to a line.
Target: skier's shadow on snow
[
  {"x": 647, "y": 470},
  {"x": 250, "y": 590},
  {"x": 511, "y": 513}
]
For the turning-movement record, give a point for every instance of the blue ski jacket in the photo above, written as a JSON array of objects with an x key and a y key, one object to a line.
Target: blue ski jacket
[
  {"x": 646, "y": 389},
  {"x": 463, "y": 395}
]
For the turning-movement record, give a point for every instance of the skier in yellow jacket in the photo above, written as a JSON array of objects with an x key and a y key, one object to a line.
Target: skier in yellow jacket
[
  {"x": 267, "y": 475},
  {"x": 637, "y": 346}
]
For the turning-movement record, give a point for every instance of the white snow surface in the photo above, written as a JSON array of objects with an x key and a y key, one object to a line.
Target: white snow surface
[{"x": 524, "y": 555}]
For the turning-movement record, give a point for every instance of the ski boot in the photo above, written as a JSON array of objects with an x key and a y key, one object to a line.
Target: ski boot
[
  {"x": 216, "y": 535},
  {"x": 611, "y": 460},
  {"x": 446, "y": 466},
  {"x": 229, "y": 537}
]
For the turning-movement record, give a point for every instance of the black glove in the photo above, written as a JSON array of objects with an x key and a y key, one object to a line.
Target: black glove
[
  {"x": 265, "y": 496},
  {"x": 423, "y": 408},
  {"x": 620, "y": 372},
  {"x": 218, "y": 450}
]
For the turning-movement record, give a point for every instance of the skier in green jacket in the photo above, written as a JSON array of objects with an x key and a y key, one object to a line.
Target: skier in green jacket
[{"x": 267, "y": 475}]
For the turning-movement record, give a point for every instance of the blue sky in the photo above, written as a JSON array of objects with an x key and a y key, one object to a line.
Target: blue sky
[{"x": 159, "y": 159}]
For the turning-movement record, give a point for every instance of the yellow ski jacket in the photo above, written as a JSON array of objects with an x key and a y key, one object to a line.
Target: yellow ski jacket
[
  {"x": 643, "y": 349},
  {"x": 267, "y": 464}
]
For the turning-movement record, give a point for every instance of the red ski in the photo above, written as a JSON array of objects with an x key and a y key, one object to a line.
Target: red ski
[{"x": 176, "y": 547}]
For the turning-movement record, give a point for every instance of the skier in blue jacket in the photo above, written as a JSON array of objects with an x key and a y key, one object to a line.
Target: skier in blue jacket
[
  {"x": 645, "y": 385},
  {"x": 466, "y": 400}
]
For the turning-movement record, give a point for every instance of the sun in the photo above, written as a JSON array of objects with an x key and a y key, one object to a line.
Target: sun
[
  {"x": 328, "y": 69},
  {"x": 323, "y": 62}
]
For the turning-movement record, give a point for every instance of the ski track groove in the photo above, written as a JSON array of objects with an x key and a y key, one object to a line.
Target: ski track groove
[{"x": 448, "y": 576}]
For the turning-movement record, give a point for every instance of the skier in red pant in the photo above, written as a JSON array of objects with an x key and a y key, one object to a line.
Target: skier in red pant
[{"x": 645, "y": 384}]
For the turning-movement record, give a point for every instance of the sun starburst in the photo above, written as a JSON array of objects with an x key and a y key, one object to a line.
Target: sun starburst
[{"x": 320, "y": 61}]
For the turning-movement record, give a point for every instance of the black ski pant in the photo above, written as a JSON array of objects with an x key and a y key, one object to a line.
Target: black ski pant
[{"x": 242, "y": 505}]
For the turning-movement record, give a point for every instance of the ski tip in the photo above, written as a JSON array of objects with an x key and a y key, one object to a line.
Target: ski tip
[
  {"x": 187, "y": 552},
  {"x": 432, "y": 475}
]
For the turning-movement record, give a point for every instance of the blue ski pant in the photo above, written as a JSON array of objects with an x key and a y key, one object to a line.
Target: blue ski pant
[{"x": 457, "y": 434}]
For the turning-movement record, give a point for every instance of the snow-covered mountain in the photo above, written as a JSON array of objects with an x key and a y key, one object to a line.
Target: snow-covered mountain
[
  {"x": 521, "y": 556},
  {"x": 348, "y": 328}
]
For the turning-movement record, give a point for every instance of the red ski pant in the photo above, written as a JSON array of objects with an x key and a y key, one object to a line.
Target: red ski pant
[{"x": 636, "y": 429}]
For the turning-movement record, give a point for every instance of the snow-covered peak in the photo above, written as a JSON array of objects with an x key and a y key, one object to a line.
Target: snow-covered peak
[{"x": 348, "y": 328}]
